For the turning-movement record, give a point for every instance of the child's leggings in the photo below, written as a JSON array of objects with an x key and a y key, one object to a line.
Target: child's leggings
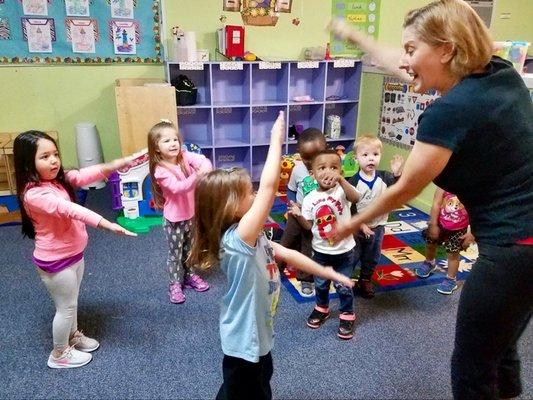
[
  {"x": 179, "y": 238},
  {"x": 64, "y": 287}
]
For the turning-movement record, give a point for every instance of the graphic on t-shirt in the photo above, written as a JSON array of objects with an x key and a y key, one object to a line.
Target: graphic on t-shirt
[
  {"x": 273, "y": 279},
  {"x": 453, "y": 215},
  {"x": 308, "y": 185},
  {"x": 325, "y": 221}
]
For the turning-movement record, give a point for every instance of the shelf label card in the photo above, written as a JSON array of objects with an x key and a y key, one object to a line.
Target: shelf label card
[
  {"x": 343, "y": 63},
  {"x": 307, "y": 64},
  {"x": 231, "y": 66},
  {"x": 269, "y": 65},
  {"x": 191, "y": 66}
]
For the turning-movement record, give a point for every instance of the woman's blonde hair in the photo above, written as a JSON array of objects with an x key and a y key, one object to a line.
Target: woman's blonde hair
[
  {"x": 154, "y": 135},
  {"x": 217, "y": 199},
  {"x": 453, "y": 22}
]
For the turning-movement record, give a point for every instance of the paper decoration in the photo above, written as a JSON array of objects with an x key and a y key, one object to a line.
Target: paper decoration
[
  {"x": 35, "y": 7},
  {"x": 343, "y": 63},
  {"x": 83, "y": 33},
  {"x": 307, "y": 64},
  {"x": 400, "y": 109},
  {"x": 122, "y": 9},
  {"x": 231, "y": 5},
  {"x": 39, "y": 32},
  {"x": 125, "y": 36},
  {"x": 284, "y": 6},
  {"x": 5, "y": 33},
  {"x": 269, "y": 65},
  {"x": 77, "y": 8},
  {"x": 191, "y": 66},
  {"x": 259, "y": 12}
]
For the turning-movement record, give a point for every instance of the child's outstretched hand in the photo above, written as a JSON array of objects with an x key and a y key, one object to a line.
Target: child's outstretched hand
[
  {"x": 396, "y": 164},
  {"x": 367, "y": 231},
  {"x": 294, "y": 209},
  {"x": 115, "y": 228},
  {"x": 335, "y": 276},
  {"x": 278, "y": 130}
]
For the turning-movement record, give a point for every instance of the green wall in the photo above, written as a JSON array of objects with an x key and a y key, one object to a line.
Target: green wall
[{"x": 57, "y": 97}]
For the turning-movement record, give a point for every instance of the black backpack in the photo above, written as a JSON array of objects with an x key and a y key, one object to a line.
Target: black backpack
[{"x": 186, "y": 91}]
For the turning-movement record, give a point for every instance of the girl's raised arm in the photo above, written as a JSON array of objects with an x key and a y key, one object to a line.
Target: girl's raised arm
[{"x": 253, "y": 220}]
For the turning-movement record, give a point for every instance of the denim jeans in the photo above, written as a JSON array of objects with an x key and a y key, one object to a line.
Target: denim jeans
[
  {"x": 369, "y": 251},
  {"x": 343, "y": 264}
]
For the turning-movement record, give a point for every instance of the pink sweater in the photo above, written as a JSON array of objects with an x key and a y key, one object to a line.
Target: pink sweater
[
  {"x": 59, "y": 223},
  {"x": 177, "y": 189}
]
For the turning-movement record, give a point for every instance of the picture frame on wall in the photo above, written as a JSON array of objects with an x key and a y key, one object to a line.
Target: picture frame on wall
[
  {"x": 232, "y": 5},
  {"x": 284, "y": 6}
]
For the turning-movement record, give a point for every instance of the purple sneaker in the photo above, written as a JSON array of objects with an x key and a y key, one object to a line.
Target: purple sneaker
[
  {"x": 195, "y": 282},
  {"x": 176, "y": 293}
]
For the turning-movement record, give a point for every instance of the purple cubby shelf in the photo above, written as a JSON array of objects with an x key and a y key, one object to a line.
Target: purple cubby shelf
[
  {"x": 259, "y": 154},
  {"x": 348, "y": 114},
  {"x": 230, "y": 87},
  {"x": 232, "y": 157},
  {"x": 231, "y": 126},
  {"x": 195, "y": 126},
  {"x": 200, "y": 78},
  {"x": 209, "y": 154},
  {"x": 269, "y": 86},
  {"x": 307, "y": 115},
  {"x": 263, "y": 119},
  {"x": 342, "y": 83},
  {"x": 307, "y": 81}
]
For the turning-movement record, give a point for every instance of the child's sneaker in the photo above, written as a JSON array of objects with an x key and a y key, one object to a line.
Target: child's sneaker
[
  {"x": 308, "y": 289},
  {"x": 318, "y": 316},
  {"x": 447, "y": 286},
  {"x": 195, "y": 282},
  {"x": 425, "y": 270},
  {"x": 83, "y": 343},
  {"x": 176, "y": 293},
  {"x": 346, "y": 322},
  {"x": 366, "y": 289},
  {"x": 70, "y": 358}
]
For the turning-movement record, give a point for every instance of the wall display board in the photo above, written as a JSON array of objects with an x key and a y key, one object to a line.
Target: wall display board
[
  {"x": 79, "y": 31},
  {"x": 361, "y": 14},
  {"x": 400, "y": 109}
]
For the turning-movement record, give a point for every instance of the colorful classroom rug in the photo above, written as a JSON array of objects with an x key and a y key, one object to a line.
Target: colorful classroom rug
[{"x": 402, "y": 252}]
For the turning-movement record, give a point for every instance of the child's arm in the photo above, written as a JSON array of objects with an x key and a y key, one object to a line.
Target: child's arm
[
  {"x": 304, "y": 263},
  {"x": 294, "y": 209},
  {"x": 433, "y": 224},
  {"x": 352, "y": 195},
  {"x": 396, "y": 165},
  {"x": 252, "y": 221},
  {"x": 200, "y": 163},
  {"x": 467, "y": 238},
  {"x": 166, "y": 178}
]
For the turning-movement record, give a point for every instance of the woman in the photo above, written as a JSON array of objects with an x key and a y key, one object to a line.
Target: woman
[{"x": 476, "y": 141}]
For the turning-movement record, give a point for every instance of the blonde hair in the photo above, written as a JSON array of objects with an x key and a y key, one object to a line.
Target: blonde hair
[
  {"x": 155, "y": 159},
  {"x": 367, "y": 139},
  {"x": 217, "y": 199},
  {"x": 453, "y": 22}
]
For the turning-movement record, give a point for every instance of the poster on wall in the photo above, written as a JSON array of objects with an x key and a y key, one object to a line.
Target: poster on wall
[
  {"x": 362, "y": 15},
  {"x": 124, "y": 36},
  {"x": 39, "y": 32},
  {"x": 400, "y": 109},
  {"x": 122, "y": 9},
  {"x": 77, "y": 8},
  {"x": 35, "y": 7},
  {"x": 83, "y": 34}
]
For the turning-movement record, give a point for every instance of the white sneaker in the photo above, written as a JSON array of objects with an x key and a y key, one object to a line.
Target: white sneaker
[
  {"x": 83, "y": 343},
  {"x": 70, "y": 358}
]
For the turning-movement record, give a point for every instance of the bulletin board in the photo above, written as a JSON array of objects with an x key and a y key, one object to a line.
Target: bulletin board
[
  {"x": 79, "y": 31},
  {"x": 400, "y": 109},
  {"x": 362, "y": 15}
]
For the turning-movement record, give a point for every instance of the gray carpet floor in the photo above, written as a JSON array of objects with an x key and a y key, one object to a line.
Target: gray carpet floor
[{"x": 152, "y": 349}]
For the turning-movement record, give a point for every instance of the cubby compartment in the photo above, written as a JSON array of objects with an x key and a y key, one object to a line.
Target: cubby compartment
[
  {"x": 195, "y": 126},
  {"x": 342, "y": 83},
  {"x": 259, "y": 154},
  {"x": 306, "y": 115},
  {"x": 231, "y": 126},
  {"x": 208, "y": 152},
  {"x": 348, "y": 115},
  {"x": 200, "y": 78},
  {"x": 263, "y": 119},
  {"x": 307, "y": 79},
  {"x": 232, "y": 157},
  {"x": 230, "y": 87},
  {"x": 269, "y": 83}
]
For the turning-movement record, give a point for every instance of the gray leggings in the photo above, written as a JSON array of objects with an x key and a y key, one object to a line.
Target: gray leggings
[
  {"x": 179, "y": 237},
  {"x": 64, "y": 287}
]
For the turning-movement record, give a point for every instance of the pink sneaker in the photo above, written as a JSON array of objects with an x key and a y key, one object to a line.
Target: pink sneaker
[
  {"x": 195, "y": 282},
  {"x": 176, "y": 293}
]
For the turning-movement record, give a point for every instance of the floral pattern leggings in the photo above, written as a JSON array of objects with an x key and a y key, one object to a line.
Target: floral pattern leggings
[{"x": 179, "y": 238}]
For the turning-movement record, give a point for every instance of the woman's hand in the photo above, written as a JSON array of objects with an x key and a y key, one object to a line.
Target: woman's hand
[
  {"x": 115, "y": 228},
  {"x": 367, "y": 231},
  {"x": 342, "y": 279},
  {"x": 345, "y": 229},
  {"x": 467, "y": 239}
]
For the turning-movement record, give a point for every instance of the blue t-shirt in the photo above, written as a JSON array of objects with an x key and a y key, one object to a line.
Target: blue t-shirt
[
  {"x": 248, "y": 307},
  {"x": 486, "y": 120}
]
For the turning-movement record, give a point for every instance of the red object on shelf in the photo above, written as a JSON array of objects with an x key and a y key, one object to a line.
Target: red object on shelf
[
  {"x": 234, "y": 41},
  {"x": 328, "y": 56}
]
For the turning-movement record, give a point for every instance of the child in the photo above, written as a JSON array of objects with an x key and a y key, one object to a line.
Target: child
[
  {"x": 448, "y": 225},
  {"x": 45, "y": 193},
  {"x": 371, "y": 182},
  {"x": 321, "y": 209},
  {"x": 229, "y": 233},
  {"x": 174, "y": 173},
  {"x": 310, "y": 142}
]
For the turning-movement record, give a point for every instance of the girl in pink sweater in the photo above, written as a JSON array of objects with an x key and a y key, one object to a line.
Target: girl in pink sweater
[
  {"x": 50, "y": 216},
  {"x": 174, "y": 172}
]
